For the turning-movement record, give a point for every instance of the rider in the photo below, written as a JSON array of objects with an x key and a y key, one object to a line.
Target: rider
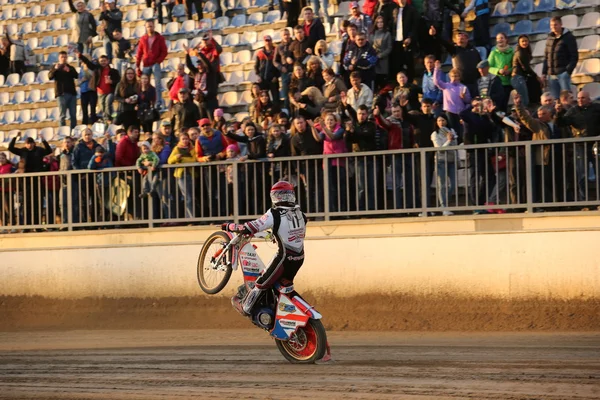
[{"x": 289, "y": 228}]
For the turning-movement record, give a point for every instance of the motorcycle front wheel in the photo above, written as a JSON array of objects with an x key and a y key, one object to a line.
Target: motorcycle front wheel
[
  {"x": 307, "y": 345},
  {"x": 214, "y": 277}
]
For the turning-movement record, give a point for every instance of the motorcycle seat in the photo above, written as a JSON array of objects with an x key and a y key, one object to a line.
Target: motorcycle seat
[{"x": 284, "y": 286}]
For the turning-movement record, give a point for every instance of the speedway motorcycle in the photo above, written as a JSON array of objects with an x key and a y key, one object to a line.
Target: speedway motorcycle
[{"x": 291, "y": 321}]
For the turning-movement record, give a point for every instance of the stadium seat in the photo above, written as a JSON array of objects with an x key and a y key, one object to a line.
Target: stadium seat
[
  {"x": 590, "y": 67},
  {"x": 39, "y": 115},
  {"x": 179, "y": 44},
  {"x": 539, "y": 48},
  {"x": 226, "y": 58},
  {"x": 32, "y": 43},
  {"x": 47, "y": 42},
  {"x": 64, "y": 9},
  {"x": 51, "y": 59},
  {"x": 238, "y": 21},
  {"x": 503, "y": 9},
  {"x": 24, "y": 117},
  {"x": 233, "y": 39},
  {"x": 221, "y": 23},
  {"x": 568, "y": 21},
  {"x": 594, "y": 89},
  {"x": 523, "y": 7},
  {"x": 55, "y": 25},
  {"x": 49, "y": 95},
  {"x": 7, "y": 14},
  {"x": 171, "y": 64},
  {"x": 4, "y": 98},
  {"x": 30, "y": 133},
  {"x": 250, "y": 76},
  {"x": 544, "y": 6},
  {"x": 590, "y": 20},
  {"x": 9, "y": 117},
  {"x": 249, "y": 37},
  {"x": 131, "y": 16},
  {"x": 502, "y": 27},
  {"x": 18, "y": 97},
  {"x": 70, "y": 22},
  {"x": 171, "y": 29},
  {"x": 12, "y": 80},
  {"x": 245, "y": 98},
  {"x": 229, "y": 99},
  {"x": 42, "y": 77},
  {"x": 28, "y": 78},
  {"x": 241, "y": 115},
  {"x": 34, "y": 96},
  {"x": 233, "y": 78},
  {"x": 49, "y": 9},
  {"x": 41, "y": 26},
  {"x": 523, "y": 27},
  {"x": 209, "y": 7},
  {"x": 218, "y": 39},
  {"x": 47, "y": 134},
  {"x": 273, "y": 17},
  {"x": 62, "y": 40},
  {"x": 243, "y": 57},
  {"x": 538, "y": 69},
  {"x": 205, "y": 24},
  {"x": 35, "y": 11},
  {"x": 11, "y": 135},
  {"x": 188, "y": 27},
  {"x": 590, "y": 43},
  {"x": 543, "y": 25},
  {"x": 147, "y": 14},
  {"x": 255, "y": 19},
  {"x": 54, "y": 114},
  {"x": 63, "y": 132},
  {"x": 139, "y": 32},
  {"x": 2, "y": 82},
  {"x": 482, "y": 52},
  {"x": 99, "y": 129},
  {"x": 26, "y": 27}
]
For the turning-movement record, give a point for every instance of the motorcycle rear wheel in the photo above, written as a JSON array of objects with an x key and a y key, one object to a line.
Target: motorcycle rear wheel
[
  {"x": 204, "y": 268},
  {"x": 308, "y": 345}
]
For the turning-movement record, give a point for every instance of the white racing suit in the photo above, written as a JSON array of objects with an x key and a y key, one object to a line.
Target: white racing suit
[{"x": 289, "y": 228}]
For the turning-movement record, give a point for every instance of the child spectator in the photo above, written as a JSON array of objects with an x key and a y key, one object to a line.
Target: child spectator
[
  {"x": 52, "y": 187},
  {"x": 456, "y": 96},
  {"x": 147, "y": 161},
  {"x": 6, "y": 193},
  {"x": 445, "y": 162},
  {"x": 100, "y": 161},
  {"x": 184, "y": 152}
]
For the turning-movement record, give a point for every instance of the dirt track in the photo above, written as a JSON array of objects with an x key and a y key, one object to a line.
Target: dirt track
[{"x": 244, "y": 364}]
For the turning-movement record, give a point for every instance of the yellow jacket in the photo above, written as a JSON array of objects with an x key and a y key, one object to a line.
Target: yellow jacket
[{"x": 188, "y": 158}]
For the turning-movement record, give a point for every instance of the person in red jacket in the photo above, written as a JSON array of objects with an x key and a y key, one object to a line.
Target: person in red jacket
[
  {"x": 152, "y": 50},
  {"x": 400, "y": 133},
  {"x": 127, "y": 149}
]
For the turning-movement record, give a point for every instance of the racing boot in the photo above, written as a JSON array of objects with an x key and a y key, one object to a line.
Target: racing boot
[{"x": 236, "y": 301}]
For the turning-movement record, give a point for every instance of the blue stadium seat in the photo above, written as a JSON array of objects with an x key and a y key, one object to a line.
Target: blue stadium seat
[
  {"x": 523, "y": 7},
  {"x": 542, "y": 26},
  {"x": 523, "y": 27},
  {"x": 503, "y": 27},
  {"x": 545, "y": 6}
]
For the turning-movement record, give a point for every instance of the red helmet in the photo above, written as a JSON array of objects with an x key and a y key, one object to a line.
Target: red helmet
[{"x": 283, "y": 192}]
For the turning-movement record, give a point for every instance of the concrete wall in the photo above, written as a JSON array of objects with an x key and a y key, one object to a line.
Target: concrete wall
[{"x": 498, "y": 256}]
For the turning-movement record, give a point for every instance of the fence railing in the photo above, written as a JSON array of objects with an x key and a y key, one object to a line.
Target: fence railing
[{"x": 519, "y": 176}]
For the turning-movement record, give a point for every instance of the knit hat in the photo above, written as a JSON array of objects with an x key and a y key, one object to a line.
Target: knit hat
[
  {"x": 218, "y": 113},
  {"x": 144, "y": 144},
  {"x": 233, "y": 147},
  {"x": 483, "y": 64},
  {"x": 100, "y": 149}
]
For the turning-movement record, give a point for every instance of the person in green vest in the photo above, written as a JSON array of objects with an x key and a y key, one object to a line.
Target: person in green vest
[{"x": 500, "y": 60}]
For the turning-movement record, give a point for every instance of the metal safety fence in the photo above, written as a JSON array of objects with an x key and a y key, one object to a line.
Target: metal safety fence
[{"x": 492, "y": 178}]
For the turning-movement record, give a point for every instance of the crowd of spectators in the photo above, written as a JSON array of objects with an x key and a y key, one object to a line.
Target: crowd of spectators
[{"x": 307, "y": 103}]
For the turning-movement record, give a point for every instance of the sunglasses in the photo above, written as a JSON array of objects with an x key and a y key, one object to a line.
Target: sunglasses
[{"x": 205, "y": 125}]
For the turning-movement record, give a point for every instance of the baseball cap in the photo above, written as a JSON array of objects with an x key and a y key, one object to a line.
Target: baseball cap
[
  {"x": 354, "y": 4},
  {"x": 144, "y": 144},
  {"x": 184, "y": 90},
  {"x": 29, "y": 140},
  {"x": 109, "y": 1},
  {"x": 206, "y": 36},
  {"x": 165, "y": 122},
  {"x": 203, "y": 121},
  {"x": 267, "y": 38},
  {"x": 100, "y": 149},
  {"x": 483, "y": 64}
]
